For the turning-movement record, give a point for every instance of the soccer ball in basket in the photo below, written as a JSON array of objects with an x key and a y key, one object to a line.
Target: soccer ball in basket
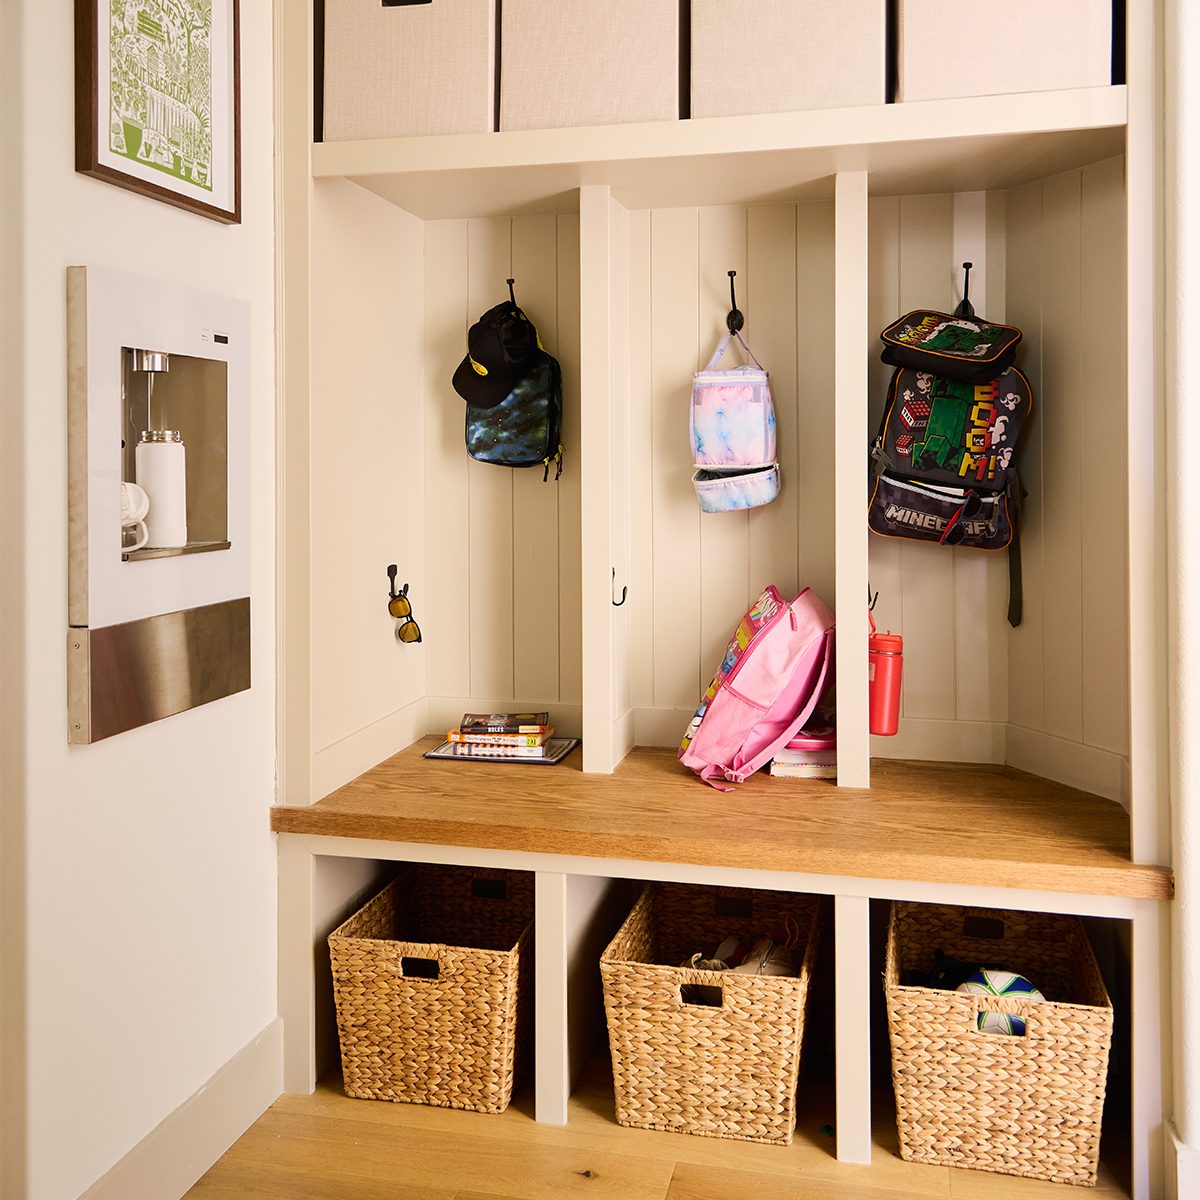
[{"x": 991, "y": 982}]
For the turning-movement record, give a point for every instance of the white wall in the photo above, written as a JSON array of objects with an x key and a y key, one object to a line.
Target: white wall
[{"x": 149, "y": 905}]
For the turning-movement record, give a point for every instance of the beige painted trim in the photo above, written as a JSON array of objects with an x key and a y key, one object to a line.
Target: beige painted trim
[
  {"x": 1183, "y": 1167},
  {"x": 14, "y": 1069},
  {"x": 293, "y": 196},
  {"x": 340, "y": 762},
  {"x": 931, "y": 739},
  {"x": 173, "y": 1155},
  {"x": 1076, "y": 765}
]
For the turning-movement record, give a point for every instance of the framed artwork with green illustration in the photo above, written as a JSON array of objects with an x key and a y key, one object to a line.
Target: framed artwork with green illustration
[{"x": 157, "y": 100}]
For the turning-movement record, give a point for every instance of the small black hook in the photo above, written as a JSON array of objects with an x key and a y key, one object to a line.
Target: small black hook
[
  {"x": 871, "y": 599},
  {"x": 391, "y": 574},
  {"x": 735, "y": 320},
  {"x": 966, "y": 308},
  {"x": 511, "y": 294},
  {"x": 624, "y": 591}
]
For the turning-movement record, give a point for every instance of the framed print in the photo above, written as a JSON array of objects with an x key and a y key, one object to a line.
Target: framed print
[{"x": 157, "y": 100}]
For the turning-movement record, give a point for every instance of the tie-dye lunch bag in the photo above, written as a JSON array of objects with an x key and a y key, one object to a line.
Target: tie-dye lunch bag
[{"x": 733, "y": 434}]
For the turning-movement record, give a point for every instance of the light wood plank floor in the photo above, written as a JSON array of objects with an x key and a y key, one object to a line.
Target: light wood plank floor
[{"x": 329, "y": 1147}]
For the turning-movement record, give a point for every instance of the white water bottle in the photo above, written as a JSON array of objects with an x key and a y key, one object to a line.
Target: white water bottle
[{"x": 162, "y": 474}]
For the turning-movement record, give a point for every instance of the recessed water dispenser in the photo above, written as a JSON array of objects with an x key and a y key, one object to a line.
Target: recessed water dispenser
[
  {"x": 158, "y": 452},
  {"x": 175, "y": 448}
]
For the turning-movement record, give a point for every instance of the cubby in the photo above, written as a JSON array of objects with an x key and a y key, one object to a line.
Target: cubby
[{"x": 1032, "y": 765}]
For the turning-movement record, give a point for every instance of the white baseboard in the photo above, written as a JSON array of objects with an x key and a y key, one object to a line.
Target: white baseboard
[
  {"x": 173, "y": 1155},
  {"x": 1078, "y": 766},
  {"x": 1183, "y": 1167},
  {"x": 660, "y": 726},
  {"x": 943, "y": 741},
  {"x": 336, "y": 765}
]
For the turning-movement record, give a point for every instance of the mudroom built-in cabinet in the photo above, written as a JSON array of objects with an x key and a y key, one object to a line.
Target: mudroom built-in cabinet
[{"x": 1027, "y": 773}]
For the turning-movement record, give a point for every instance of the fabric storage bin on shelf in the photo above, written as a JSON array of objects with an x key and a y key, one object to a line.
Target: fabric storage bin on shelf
[
  {"x": 408, "y": 71},
  {"x": 433, "y": 982},
  {"x": 726, "y": 1069},
  {"x": 1019, "y": 1105},
  {"x": 575, "y": 62},
  {"x": 758, "y": 56},
  {"x": 949, "y": 48}
]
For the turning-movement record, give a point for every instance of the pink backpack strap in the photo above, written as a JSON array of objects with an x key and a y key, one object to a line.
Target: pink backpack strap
[
  {"x": 707, "y": 775},
  {"x": 723, "y": 345}
]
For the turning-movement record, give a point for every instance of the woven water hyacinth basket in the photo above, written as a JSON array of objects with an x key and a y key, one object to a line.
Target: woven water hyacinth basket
[
  {"x": 433, "y": 982},
  {"x": 1028, "y": 1105},
  {"x": 728, "y": 1068}
]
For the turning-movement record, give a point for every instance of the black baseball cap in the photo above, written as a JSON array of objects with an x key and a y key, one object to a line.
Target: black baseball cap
[{"x": 502, "y": 348}]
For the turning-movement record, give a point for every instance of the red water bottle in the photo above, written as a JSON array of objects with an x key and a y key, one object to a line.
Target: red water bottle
[{"x": 885, "y": 656}]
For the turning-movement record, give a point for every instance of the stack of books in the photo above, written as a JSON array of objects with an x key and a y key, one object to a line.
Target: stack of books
[
  {"x": 811, "y": 754},
  {"x": 526, "y": 737},
  {"x": 501, "y": 735}
]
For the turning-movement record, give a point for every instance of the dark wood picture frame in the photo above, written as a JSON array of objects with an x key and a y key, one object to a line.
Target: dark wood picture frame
[{"x": 87, "y": 119}]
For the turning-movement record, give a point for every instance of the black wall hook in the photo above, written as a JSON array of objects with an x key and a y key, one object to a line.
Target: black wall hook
[
  {"x": 511, "y": 294},
  {"x": 966, "y": 308},
  {"x": 735, "y": 320},
  {"x": 624, "y": 590}
]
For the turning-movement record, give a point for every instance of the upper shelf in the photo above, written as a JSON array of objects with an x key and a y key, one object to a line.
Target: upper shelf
[
  {"x": 934, "y": 146},
  {"x": 926, "y": 822}
]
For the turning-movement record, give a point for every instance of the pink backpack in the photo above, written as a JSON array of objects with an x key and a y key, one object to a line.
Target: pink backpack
[{"x": 775, "y": 669}]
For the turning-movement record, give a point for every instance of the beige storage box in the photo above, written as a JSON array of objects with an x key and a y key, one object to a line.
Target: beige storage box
[
  {"x": 409, "y": 71},
  {"x": 433, "y": 982},
  {"x": 951, "y": 48},
  {"x": 758, "y": 56},
  {"x": 714, "y": 1053},
  {"x": 1027, "y": 1103},
  {"x": 579, "y": 62}
]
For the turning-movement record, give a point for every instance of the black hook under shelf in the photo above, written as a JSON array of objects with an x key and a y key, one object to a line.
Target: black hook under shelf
[
  {"x": 966, "y": 308},
  {"x": 624, "y": 590},
  {"x": 735, "y": 320}
]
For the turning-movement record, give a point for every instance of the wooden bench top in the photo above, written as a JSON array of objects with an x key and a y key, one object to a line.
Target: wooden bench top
[{"x": 925, "y": 822}]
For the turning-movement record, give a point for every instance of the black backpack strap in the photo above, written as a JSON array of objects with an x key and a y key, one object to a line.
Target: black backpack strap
[{"x": 1015, "y": 592}]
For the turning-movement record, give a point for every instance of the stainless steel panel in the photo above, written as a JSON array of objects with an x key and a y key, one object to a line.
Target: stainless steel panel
[{"x": 124, "y": 676}]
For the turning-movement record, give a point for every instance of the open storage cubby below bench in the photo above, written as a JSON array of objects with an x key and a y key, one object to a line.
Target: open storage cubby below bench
[
  {"x": 1028, "y": 772},
  {"x": 986, "y": 836}
]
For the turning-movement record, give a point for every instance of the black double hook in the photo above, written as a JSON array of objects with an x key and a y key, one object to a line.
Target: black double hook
[{"x": 735, "y": 320}]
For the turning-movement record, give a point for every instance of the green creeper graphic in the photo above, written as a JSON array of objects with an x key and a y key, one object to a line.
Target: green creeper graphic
[
  {"x": 942, "y": 445},
  {"x": 160, "y": 111},
  {"x": 959, "y": 340}
]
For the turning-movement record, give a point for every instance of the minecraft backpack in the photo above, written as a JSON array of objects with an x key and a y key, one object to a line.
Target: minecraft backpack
[{"x": 775, "y": 669}]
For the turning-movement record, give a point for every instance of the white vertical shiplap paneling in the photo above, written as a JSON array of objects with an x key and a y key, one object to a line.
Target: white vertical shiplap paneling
[
  {"x": 1104, "y": 489},
  {"x": 490, "y": 533},
  {"x": 674, "y": 241},
  {"x": 770, "y": 290},
  {"x": 927, "y": 572},
  {"x": 1062, "y": 457},
  {"x": 535, "y": 566},
  {"x": 566, "y": 350},
  {"x": 724, "y": 537},
  {"x": 1026, "y": 705},
  {"x": 980, "y": 576},
  {"x": 446, "y": 620},
  {"x": 815, "y": 418},
  {"x": 639, "y": 599}
]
